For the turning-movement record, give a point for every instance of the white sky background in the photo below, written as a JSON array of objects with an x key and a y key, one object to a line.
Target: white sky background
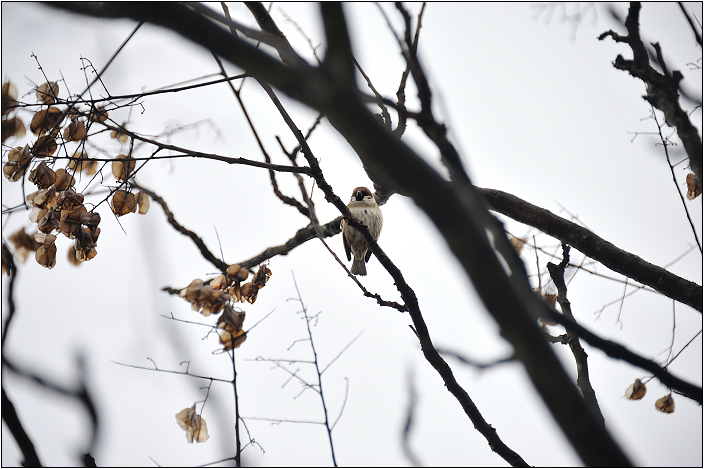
[{"x": 536, "y": 109}]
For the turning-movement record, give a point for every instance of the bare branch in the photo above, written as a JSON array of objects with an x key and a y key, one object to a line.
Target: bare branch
[
  {"x": 12, "y": 420},
  {"x": 597, "y": 248},
  {"x": 205, "y": 252},
  {"x": 557, "y": 273},
  {"x": 662, "y": 90}
]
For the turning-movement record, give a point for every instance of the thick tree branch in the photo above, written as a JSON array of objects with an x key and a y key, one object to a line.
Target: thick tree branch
[
  {"x": 205, "y": 252},
  {"x": 597, "y": 248},
  {"x": 12, "y": 420}
]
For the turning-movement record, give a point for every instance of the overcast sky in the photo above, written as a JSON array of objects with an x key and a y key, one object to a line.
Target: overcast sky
[{"x": 535, "y": 107}]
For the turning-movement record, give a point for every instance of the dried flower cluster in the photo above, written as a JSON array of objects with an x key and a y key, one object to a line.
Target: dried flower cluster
[
  {"x": 195, "y": 426},
  {"x": 56, "y": 205},
  {"x": 219, "y": 294}
]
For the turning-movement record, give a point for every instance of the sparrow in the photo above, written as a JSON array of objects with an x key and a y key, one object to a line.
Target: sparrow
[{"x": 364, "y": 207}]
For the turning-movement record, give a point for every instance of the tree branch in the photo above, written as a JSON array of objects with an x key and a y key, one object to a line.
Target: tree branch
[
  {"x": 597, "y": 248},
  {"x": 662, "y": 90},
  {"x": 205, "y": 252},
  {"x": 557, "y": 273},
  {"x": 12, "y": 420}
]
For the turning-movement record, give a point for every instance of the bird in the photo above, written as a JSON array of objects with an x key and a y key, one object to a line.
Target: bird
[{"x": 364, "y": 207}]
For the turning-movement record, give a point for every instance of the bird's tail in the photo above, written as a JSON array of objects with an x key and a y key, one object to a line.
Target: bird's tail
[{"x": 358, "y": 267}]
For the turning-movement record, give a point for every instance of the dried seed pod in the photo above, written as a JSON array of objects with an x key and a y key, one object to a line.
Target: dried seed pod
[
  {"x": 47, "y": 92},
  {"x": 45, "y": 120},
  {"x": 249, "y": 292},
  {"x": 262, "y": 276},
  {"x": 13, "y": 127},
  {"x": 143, "y": 202},
  {"x": 9, "y": 97},
  {"x": 120, "y": 136},
  {"x": 122, "y": 167},
  {"x": 45, "y": 198},
  {"x": 237, "y": 273},
  {"x": 45, "y": 146},
  {"x": 232, "y": 339},
  {"x": 219, "y": 282},
  {"x": 48, "y": 220},
  {"x": 635, "y": 391},
  {"x": 63, "y": 180},
  {"x": 18, "y": 160},
  {"x": 90, "y": 218},
  {"x": 194, "y": 425},
  {"x": 123, "y": 202},
  {"x": 694, "y": 187},
  {"x": 98, "y": 114},
  {"x": 517, "y": 243},
  {"x": 69, "y": 199},
  {"x": 76, "y": 131},
  {"x": 71, "y": 221},
  {"x": 46, "y": 256},
  {"x": 43, "y": 176},
  {"x": 23, "y": 244},
  {"x": 665, "y": 404},
  {"x": 72, "y": 259},
  {"x": 80, "y": 162},
  {"x": 85, "y": 246}
]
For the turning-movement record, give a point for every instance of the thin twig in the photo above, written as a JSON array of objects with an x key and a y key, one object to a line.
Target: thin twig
[
  {"x": 304, "y": 310},
  {"x": 665, "y": 144}
]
